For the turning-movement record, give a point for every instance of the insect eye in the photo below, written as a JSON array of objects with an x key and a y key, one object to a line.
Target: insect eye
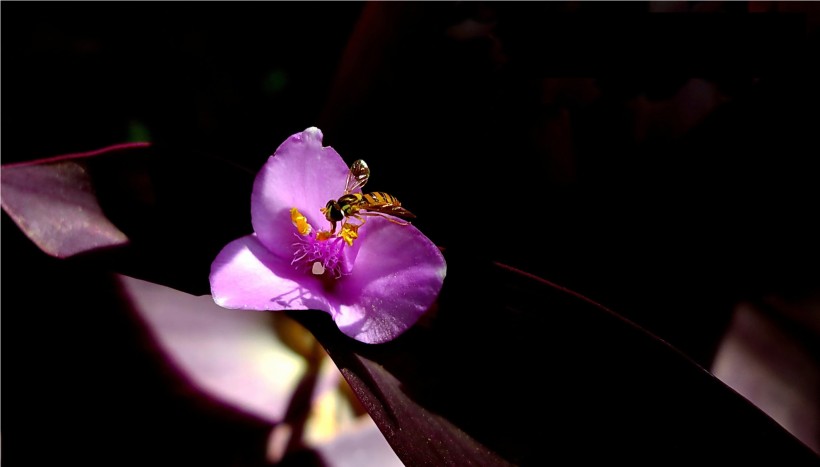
[{"x": 333, "y": 212}]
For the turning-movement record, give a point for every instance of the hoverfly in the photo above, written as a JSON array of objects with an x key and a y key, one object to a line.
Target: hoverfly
[{"x": 357, "y": 205}]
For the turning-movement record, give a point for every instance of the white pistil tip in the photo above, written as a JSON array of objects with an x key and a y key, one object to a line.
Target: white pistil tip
[{"x": 318, "y": 269}]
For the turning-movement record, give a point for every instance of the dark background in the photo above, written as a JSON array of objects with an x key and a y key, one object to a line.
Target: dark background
[{"x": 550, "y": 136}]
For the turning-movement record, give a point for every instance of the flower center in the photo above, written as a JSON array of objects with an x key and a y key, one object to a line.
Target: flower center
[
  {"x": 318, "y": 252},
  {"x": 319, "y": 256}
]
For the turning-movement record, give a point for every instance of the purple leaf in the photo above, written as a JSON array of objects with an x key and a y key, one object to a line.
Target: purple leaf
[
  {"x": 767, "y": 358},
  {"x": 512, "y": 368},
  {"x": 53, "y": 202}
]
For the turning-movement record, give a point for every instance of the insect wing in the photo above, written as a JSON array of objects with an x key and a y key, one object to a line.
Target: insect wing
[
  {"x": 395, "y": 211},
  {"x": 400, "y": 212},
  {"x": 357, "y": 177},
  {"x": 383, "y": 203}
]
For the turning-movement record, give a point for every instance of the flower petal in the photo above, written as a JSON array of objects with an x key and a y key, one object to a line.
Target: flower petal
[
  {"x": 398, "y": 275},
  {"x": 301, "y": 174},
  {"x": 245, "y": 275},
  {"x": 235, "y": 357}
]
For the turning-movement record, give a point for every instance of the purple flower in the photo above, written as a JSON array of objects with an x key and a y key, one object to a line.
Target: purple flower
[{"x": 374, "y": 278}]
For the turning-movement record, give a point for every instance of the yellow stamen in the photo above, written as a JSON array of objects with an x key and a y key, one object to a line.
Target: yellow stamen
[
  {"x": 349, "y": 233},
  {"x": 300, "y": 222},
  {"x": 323, "y": 235}
]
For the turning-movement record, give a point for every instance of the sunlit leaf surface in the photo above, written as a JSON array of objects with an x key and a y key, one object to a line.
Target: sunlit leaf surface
[
  {"x": 767, "y": 358},
  {"x": 54, "y": 203}
]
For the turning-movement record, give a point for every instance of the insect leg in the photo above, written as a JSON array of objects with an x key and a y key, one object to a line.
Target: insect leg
[{"x": 359, "y": 217}]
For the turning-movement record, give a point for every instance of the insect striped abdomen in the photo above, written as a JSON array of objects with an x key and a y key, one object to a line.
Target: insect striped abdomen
[{"x": 380, "y": 198}]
